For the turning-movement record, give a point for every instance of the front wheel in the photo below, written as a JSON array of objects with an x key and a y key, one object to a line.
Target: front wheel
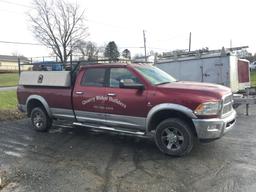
[
  {"x": 174, "y": 137},
  {"x": 40, "y": 120}
]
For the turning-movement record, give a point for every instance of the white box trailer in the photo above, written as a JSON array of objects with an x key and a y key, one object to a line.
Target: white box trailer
[{"x": 219, "y": 68}]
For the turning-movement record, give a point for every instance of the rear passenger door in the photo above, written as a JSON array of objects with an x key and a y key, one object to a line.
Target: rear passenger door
[{"x": 89, "y": 96}]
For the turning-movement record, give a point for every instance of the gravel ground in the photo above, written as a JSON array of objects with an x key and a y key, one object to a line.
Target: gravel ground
[{"x": 75, "y": 159}]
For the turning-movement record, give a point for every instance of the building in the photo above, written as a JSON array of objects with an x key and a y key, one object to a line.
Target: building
[
  {"x": 141, "y": 59},
  {"x": 9, "y": 63}
]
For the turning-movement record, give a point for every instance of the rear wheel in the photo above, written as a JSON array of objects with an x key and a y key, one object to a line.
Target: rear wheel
[
  {"x": 40, "y": 120},
  {"x": 174, "y": 137}
]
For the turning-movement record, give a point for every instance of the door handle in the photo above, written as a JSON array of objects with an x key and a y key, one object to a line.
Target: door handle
[
  {"x": 79, "y": 92},
  {"x": 112, "y": 94}
]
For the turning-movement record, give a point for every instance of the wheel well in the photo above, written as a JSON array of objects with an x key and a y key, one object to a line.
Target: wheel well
[
  {"x": 33, "y": 103},
  {"x": 165, "y": 114}
]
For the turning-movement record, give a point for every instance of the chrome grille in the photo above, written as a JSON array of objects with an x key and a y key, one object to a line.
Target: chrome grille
[{"x": 227, "y": 104}]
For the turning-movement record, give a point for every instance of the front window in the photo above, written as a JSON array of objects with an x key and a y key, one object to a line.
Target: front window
[
  {"x": 154, "y": 75},
  {"x": 121, "y": 75}
]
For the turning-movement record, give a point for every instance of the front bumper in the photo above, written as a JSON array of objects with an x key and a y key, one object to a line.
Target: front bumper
[{"x": 214, "y": 128}]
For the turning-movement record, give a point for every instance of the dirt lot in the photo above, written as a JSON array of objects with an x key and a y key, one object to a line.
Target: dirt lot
[{"x": 68, "y": 159}]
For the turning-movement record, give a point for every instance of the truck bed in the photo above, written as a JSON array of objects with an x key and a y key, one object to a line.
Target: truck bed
[{"x": 49, "y": 94}]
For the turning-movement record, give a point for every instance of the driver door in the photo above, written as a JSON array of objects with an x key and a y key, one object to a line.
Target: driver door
[{"x": 125, "y": 107}]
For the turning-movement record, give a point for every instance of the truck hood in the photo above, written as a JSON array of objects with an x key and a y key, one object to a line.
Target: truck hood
[{"x": 208, "y": 90}]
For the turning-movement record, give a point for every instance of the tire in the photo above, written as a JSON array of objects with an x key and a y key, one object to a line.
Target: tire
[
  {"x": 40, "y": 120},
  {"x": 174, "y": 137}
]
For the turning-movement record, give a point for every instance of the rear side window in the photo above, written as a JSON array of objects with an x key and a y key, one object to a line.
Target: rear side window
[{"x": 94, "y": 77}]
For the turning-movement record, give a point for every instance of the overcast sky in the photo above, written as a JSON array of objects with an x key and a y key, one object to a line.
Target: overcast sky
[{"x": 167, "y": 23}]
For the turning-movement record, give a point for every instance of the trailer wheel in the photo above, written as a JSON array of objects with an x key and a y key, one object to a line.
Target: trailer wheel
[
  {"x": 174, "y": 137},
  {"x": 40, "y": 120},
  {"x": 236, "y": 105}
]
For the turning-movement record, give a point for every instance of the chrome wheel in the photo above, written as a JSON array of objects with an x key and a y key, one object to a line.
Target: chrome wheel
[
  {"x": 38, "y": 120},
  {"x": 172, "y": 138}
]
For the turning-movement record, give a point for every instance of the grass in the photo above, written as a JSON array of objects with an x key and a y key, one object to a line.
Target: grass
[
  {"x": 8, "y": 100},
  {"x": 8, "y": 106},
  {"x": 9, "y": 79},
  {"x": 253, "y": 78}
]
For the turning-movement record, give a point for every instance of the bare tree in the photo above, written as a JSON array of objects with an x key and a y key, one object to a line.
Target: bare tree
[
  {"x": 87, "y": 49},
  {"x": 58, "y": 25}
]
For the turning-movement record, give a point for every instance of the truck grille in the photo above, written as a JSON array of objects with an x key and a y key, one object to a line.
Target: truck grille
[{"x": 227, "y": 104}]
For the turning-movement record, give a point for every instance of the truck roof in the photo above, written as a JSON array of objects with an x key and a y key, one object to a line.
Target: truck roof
[{"x": 113, "y": 65}]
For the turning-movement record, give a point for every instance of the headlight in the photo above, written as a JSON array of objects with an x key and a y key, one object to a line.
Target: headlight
[{"x": 208, "y": 108}]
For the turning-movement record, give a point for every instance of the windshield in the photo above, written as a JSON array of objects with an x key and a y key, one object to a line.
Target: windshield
[{"x": 155, "y": 75}]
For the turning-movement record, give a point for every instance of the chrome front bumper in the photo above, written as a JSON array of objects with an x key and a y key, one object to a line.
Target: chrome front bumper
[{"x": 214, "y": 128}]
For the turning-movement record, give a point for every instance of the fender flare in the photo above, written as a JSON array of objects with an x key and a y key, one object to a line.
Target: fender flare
[
  {"x": 169, "y": 106},
  {"x": 42, "y": 100}
]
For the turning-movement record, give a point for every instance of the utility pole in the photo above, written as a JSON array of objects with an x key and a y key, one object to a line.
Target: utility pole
[
  {"x": 71, "y": 55},
  {"x": 145, "y": 47},
  {"x": 230, "y": 43},
  {"x": 189, "y": 46},
  {"x": 19, "y": 65}
]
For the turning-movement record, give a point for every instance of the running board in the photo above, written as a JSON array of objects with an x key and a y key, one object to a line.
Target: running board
[{"x": 138, "y": 133}]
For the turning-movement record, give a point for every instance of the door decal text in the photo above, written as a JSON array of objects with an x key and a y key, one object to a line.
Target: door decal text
[{"x": 104, "y": 98}]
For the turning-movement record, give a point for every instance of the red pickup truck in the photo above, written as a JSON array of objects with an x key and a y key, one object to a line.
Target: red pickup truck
[{"x": 135, "y": 99}]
